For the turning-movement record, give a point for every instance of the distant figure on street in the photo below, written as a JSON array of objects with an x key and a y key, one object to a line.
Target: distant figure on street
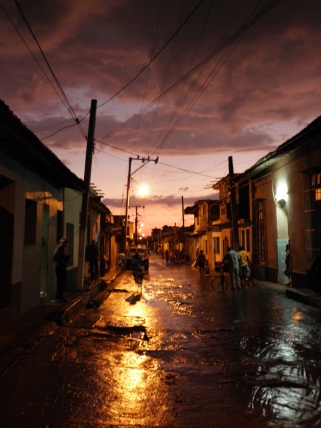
[
  {"x": 167, "y": 256},
  {"x": 61, "y": 258},
  {"x": 121, "y": 262},
  {"x": 232, "y": 259},
  {"x": 316, "y": 271},
  {"x": 200, "y": 262},
  {"x": 171, "y": 257},
  {"x": 137, "y": 262},
  {"x": 92, "y": 256}
]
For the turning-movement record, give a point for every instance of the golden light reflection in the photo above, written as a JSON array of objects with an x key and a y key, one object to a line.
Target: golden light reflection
[{"x": 297, "y": 316}]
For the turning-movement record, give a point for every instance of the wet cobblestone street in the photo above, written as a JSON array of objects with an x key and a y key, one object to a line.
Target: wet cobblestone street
[{"x": 172, "y": 353}]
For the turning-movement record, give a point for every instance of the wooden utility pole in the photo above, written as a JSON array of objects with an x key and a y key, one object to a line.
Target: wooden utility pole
[
  {"x": 85, "y": 196},
  {"x": 136, "y": 217},
  {"x": 184, "y": 237},
  {"x": 127, "y": 204},
  {"x": 235, "y": 233}
]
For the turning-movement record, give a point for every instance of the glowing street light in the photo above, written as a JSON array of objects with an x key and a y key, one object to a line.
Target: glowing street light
[{"x": 143, "y": 190}]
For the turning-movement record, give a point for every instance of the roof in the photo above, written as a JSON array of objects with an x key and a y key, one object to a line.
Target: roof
[
  {"x": 194, "y": 209},
  {"x": 305, "y": 136},
  {"x": 308, "y": 134},
  {"x": 20, "y": 144}
]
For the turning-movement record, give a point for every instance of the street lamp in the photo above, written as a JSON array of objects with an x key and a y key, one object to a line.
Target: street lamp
[{"x": 144, "y": 161}]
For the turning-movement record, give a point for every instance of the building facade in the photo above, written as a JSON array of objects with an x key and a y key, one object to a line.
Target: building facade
[{"x": 278, "y": 204}]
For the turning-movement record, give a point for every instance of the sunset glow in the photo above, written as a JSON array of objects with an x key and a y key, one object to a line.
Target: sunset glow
[{"x": 190, "y": 83}]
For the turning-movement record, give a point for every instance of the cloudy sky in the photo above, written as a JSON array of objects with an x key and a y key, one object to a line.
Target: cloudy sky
[{"x": 191, "y": 82}]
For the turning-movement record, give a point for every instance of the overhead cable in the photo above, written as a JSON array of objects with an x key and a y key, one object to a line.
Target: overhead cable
[{"x": 63, "y": 96}]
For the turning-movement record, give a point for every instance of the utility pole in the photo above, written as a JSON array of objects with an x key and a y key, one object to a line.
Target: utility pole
[
  {"x": 184, "y": 237},
  {"x": 127, "y": 204},
  {"x": 235, "y": 233},
  {"x": 136, "y": 216},
  {"x": 144, "y": 161},
  {"x": 85, "y": 196}
]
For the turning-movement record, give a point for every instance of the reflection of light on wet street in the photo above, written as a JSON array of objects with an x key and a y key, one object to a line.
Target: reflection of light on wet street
[
  {"x": 297, "y": 316},
  {"x": 130, "y": 382},
  {"x": 181, "y": 355}
]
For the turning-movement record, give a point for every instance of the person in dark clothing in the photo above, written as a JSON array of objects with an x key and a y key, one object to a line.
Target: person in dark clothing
[
  {"x": 61, "y": 259},
  {"x": 167, "y": 256},
  {"x": 316, "y": 271},
  {"x": 288, "y": 261},
  {"x": 92, "y": 255},
  {"x": 200, "y": 262}
]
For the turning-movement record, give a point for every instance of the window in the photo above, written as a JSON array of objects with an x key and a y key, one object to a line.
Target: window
[
  {"x": 248, "y": 242},
  {"x": 243, "y": 239},
  {"x": 259, "y": 232},
  {"x": 312, "y": 207},
  {"x": 216, "y": 244},
  {"x": 30, "y": 222}
]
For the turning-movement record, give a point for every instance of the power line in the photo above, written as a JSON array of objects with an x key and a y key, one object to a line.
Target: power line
[
  {"x": 156, "y": 55},
  {"x": 226, "y": 43},
  {"x": 61, "y": 94}
]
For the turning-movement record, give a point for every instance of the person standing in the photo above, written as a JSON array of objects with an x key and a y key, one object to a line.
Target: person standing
[
  {"x": 288, "y": 261},
  {"x": 243, "y": 258},
  {"x": 61, "y": 258},
  {"x": 232, "y": 259},
  {"x": 200, "y": 262},
  {"x": 167, "y": 256},
  {"x": 93, "y": 259},
  {"x": 316, "y": 271}
]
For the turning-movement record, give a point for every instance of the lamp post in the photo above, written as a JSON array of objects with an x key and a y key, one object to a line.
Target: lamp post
[{"x": 144, "y": 161}]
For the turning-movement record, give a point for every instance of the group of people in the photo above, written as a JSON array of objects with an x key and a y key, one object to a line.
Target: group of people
[{"x": 233, "y": 260}]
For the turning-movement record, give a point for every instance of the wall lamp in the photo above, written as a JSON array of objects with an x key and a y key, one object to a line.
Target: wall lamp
[{"x": 280, "y": 193}]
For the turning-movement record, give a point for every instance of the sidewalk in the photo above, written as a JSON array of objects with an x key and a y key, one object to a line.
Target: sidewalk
[
  {"x": 303, "y": 295},
  {"x": 19, "y": 336}
]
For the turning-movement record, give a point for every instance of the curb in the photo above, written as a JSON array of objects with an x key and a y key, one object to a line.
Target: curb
[
  {"x": 304, "y": 298},
  {"x": 82, "y": 300}
]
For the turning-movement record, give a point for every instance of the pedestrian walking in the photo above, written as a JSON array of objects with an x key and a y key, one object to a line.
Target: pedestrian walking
[
  {"x": 200, "y": 262},
  {"x": 61, "y": 258},
  {"x": 231, "y": 258},
  {"x": 121, "y": 262}
]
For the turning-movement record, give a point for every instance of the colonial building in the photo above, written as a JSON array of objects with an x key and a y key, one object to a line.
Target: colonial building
[{"x": 206, "y": 235}]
